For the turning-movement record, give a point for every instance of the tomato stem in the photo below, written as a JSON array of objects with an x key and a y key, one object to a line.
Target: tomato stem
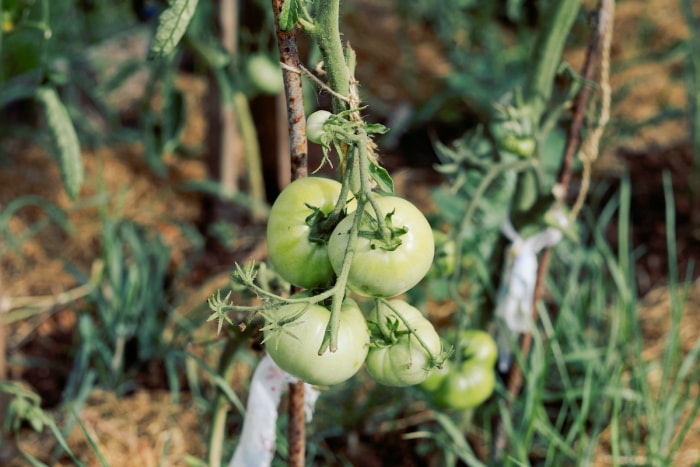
[
  {"x": 327, "y": 35},
  {"x": 384, "y": 231},
  {"x": 381, "y": 324},
  {"x": 332, "y": 218},
  {"x": 330, "y": 340}
]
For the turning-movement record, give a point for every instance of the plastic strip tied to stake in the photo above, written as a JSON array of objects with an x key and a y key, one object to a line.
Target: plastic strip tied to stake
[
  {"x": 517, "y": 288},
  {"x": 256, "y": 447}
]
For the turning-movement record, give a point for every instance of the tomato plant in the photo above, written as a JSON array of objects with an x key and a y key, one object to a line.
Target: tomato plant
[
  {"x": 389, "y": 261},
  {"x": 405, "y": 346},
  {"x": 296, "y": 242},
  {"x": 314, "y": 125},
  {"x": 294, "y": 335}
]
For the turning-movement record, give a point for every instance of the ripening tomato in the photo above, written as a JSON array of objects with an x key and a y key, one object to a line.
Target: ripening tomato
[
  {"x": 297, "y": 249},
  {"x": 385, "y": 267},
  {"x": 397, "y": 358},
  {"x": 294, "y": 346}
]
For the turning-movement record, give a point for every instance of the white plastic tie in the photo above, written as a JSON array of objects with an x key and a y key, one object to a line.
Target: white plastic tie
[
  {"x": 517, "y": 288},
  {"x": 256, "y": 447}
]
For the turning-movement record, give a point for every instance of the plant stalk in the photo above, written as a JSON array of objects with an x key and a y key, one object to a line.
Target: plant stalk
[
  {"x": 289, "y": 55},
  {"x": 327, "y": 35}
]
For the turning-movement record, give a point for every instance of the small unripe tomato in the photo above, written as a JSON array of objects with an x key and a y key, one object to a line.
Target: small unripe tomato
[{"x": 314, "y": 125}]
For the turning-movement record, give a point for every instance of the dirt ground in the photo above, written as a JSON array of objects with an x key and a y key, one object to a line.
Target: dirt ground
[{"x": 145, "y": 428}]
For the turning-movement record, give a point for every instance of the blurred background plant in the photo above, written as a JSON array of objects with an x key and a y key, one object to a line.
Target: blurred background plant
[{"x": 103, "y": 295}]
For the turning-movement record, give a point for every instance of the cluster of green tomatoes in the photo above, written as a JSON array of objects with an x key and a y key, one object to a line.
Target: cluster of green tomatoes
[{"x": 377, "y": 254}]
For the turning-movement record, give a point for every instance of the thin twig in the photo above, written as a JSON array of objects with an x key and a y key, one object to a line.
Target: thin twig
[
  {"x": 598, "y": 53},
  {"x": 289, "y": 57},
  {"x": 302, "y": 70}
]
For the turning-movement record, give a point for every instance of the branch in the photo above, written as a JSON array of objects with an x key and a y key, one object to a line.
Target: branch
[{"x": 289, "y": 57}]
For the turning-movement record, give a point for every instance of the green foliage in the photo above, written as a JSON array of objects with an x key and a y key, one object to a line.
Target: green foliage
[
  {"x": 172, "y": 25},
  {"x": 289, "y": 16},
  {"x": 65, "y": 140},
  {"x": 25, "y": 406},
  {"x": 131, "y": 307},
  {"x": 15, "y": 241}
]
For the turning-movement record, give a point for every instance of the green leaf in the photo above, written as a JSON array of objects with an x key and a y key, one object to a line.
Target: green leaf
[
  {"x": 381, "y": 177},
  {"x": 172, "y": 25},
  {"x": 375, "y": 128},
  {"x": 65, "y": 140},
  {"x": 289, "y": 16}
]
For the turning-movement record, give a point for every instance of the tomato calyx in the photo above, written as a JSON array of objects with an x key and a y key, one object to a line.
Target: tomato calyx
[
  {"x": 385, "y": 235},
  {"x": 392, "y": 328},
  {"x": 321, "y": 224},
  {"x": 385, "y": 334}
]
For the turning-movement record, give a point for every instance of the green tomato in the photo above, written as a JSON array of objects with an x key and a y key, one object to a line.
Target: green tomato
[
  {"x": 379, "y": 269},
  {"x": 314, "y": 125},
  {"x": 294, "y": 346},
  {"x": 297, "y": 252},
  {"x": 265, "y": 74},
  {"x": 400, "y": 359},
  {"x": 466, "y": 387},
  {"x": 436, "y": 377},
  {"x": 478, "y": 346}
]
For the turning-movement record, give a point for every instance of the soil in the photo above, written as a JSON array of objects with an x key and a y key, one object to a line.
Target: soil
[{"x": 146, "y": 428}]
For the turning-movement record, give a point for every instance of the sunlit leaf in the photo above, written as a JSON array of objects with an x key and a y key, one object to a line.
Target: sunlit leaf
[
  {"x": 172, "y": 25},
  {"x": 65, "y": 140}
]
